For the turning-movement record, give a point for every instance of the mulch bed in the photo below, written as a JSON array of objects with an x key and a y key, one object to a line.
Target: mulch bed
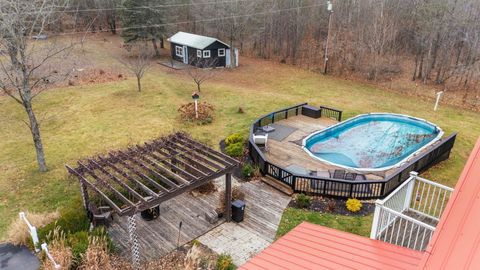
[{"x": 334, "y": 206}]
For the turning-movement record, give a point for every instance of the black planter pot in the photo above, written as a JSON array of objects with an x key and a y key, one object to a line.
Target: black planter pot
[{"x": 151, "y": 214}]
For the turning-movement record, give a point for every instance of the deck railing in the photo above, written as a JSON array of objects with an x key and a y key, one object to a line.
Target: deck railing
[
  {"x": 408, "y": 216},
  {"x": 331, "y": 113},
  {"x": 324, "y": 186}
]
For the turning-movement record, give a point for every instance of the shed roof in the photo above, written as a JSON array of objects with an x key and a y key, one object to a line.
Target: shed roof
[
  {"x": 456, "y": 241},
  {"x": 310, "y": 246},
  {"x": 193, "y": 40}
]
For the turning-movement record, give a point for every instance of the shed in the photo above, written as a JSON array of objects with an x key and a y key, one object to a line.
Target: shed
[{"x": 199, "y": 51}]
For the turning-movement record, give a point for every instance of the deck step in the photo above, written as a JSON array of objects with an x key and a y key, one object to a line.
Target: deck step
[{"x": 277, "y": 185}]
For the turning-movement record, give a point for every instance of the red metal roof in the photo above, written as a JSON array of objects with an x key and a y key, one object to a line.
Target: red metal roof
[
  {"x": 310, "y": 246},
  {"x": 455, "y": 243}
]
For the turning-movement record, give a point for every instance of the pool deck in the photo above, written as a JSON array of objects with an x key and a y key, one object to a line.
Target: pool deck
[{"x": 287, "y": 151}]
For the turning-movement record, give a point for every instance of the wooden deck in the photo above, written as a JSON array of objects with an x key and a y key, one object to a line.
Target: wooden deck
[
  {"x": 159, "y": 237},
  {"x": 264, "y": 209},
  {"x": 289, "y": 151}
]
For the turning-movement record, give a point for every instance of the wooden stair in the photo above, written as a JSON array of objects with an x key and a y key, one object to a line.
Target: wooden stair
[{"x": 284, "y": 188}]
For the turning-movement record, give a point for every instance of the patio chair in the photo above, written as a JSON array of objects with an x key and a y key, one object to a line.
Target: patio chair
[
  {"x": 100, "y": 215},
  {"x": 350, "y": 176},
  {"x": 339, "y": 174},
  {"x": 261, "y": 139}
]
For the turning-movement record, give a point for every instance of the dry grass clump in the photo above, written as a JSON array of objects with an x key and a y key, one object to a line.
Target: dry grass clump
[
  {"x": 237, "y": 194},
  {"x": 206, "y": 188},
  {"x": 18, "y": 234},
  {"x": 60, "y": 251},
  {"x": 96, "y": 257}
]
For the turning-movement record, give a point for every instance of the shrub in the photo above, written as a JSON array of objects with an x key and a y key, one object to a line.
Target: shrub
[
  {"x": 235, "y": 149},
  {"x": 79, "y": 243},
  {"x": 247, "y": 170},
  {"x": 303, "y": 200},
  {"x": 59, "y": 250},
  {"x": 206, "y": 188},
  {"x": 237, "y": 194},
  {"x": 96, "y": 256},
  {"x": 331, "y": 205},
  {"x": 225, "y": 262},
  {"x": 234, "y": 138},
  {"x": 353, "y": 205},
  {"x": 72, "y": 219}
]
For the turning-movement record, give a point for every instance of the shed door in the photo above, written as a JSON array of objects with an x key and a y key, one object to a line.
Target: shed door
[
  {"x": 185, "y": 55},
  {"x": 228, "y": 61}
]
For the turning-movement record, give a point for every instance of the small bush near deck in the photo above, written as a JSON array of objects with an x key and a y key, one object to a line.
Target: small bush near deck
[
  {"x": 206, "y": 188},
  {"x": 353, "y": 205},
  {"x": 234, "y": 149},
  {"x": 225, "y": 262},
  {"x": 234, "y": 138},
  {"x": 331, "y": 205},
  {"x": 303, "y": 200},
  {"x": 247, "y": 170},
  {"x": 73, "y": 218},
  {"x": 237, "y": 194}
]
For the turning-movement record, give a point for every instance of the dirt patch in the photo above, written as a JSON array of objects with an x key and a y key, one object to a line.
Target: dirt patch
[
  {"x": 94, "y": 76},
  {"x": 334, "y": 206}
]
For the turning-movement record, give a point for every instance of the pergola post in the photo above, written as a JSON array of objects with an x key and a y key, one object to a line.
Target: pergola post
[
  {"x": 134, "y": 246},
  {"x": 228, "y": 196},
  {"x": 85, "y": 197}
]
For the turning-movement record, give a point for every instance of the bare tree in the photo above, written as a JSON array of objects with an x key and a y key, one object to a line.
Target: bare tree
[
  {"x": 29, "y": 68},
  {"x": 138, "y": 64},
  {"x": 201, "y": 70}
]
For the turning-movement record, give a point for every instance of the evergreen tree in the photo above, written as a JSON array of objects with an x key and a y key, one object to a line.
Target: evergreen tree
[{"x": 143, "y": 20}]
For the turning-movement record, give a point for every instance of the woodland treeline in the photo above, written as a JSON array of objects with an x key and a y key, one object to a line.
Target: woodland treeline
[{"x": 433, "y": 41}]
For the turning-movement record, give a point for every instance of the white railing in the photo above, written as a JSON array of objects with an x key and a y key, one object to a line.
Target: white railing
[
  {"x": 33, "y": 233},
  {"x": 407, "y": 217}
]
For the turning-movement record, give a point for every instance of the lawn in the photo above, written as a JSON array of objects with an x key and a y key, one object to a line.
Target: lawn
[
  {"x": 294, "y": 216},
  {"x": 82, "y": 121}
]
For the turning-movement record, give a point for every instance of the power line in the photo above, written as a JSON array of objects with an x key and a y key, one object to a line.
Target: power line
[
  {"x": 133, "y": 8},
  {"x": 194, "y": 21}
]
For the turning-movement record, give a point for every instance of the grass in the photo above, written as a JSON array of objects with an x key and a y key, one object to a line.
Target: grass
[
  {"x": 294, "y": 216},
  {"x": 82, "y": 121}
]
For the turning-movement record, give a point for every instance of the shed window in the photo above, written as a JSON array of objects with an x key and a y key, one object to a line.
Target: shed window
[
  {"x": 221, "y": 52},
  {"x": 206, "y": 54},
  {"x": 199, "y": 53},
  {"x": 179, "y": 51}
]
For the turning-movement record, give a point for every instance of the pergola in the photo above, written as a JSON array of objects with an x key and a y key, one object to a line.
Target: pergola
[{"x": 144, "y": 176}]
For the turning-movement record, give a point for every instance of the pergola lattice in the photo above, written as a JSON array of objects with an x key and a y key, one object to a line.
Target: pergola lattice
[{"x": 144, "y": 176}]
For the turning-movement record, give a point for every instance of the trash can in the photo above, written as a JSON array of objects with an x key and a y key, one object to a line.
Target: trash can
[{"x": 238, "y": 210}]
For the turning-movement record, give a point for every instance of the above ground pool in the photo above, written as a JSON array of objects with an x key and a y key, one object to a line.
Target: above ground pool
[{"x": 372, "y": 142}]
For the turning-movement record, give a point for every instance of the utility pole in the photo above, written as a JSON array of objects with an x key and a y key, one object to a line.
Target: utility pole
[{"x": 330, "y": 12}]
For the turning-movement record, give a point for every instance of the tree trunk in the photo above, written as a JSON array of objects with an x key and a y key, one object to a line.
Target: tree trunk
[
  {"x": 155, "y": 47},
  {"x": 37, "y": 140},
  {"x": 139, "y": 84},
  {"x": 162, "y": 43},
  {"x": 198, "y": 87}
]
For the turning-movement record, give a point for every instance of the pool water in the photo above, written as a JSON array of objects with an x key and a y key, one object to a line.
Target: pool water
[{"x": 372, "y": 141}]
